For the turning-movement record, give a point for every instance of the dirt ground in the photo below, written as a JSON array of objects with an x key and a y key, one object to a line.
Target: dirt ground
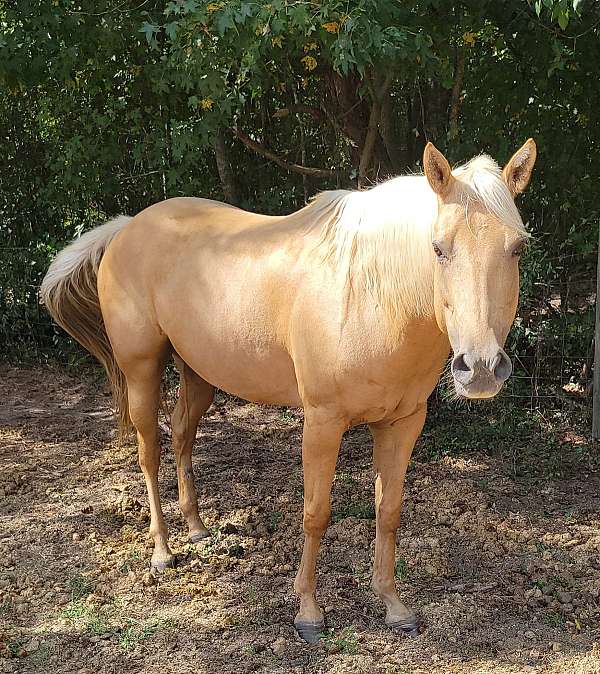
[{"x": 504, "y": 571}]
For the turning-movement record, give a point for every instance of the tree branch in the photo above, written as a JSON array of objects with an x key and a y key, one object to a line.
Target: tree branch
[
  {"x": 271, "y": 156},
  {"x": 317, "y": 114}
]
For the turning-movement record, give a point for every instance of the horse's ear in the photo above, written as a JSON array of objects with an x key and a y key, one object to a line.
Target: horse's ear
[
  {"x": 517, "y": 172},
  {"x": 437, "y": 169}
]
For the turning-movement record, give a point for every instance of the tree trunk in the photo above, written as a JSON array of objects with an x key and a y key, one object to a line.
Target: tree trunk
[
  {"x": 387, "y": 131},
  {"x": 455, "y": 97},
  {"x": 228, "y": 181},
  {"x": 379, "y": 90}
]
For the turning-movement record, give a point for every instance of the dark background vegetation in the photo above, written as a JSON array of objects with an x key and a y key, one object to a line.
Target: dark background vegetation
[{"x": 107, "y": 107}]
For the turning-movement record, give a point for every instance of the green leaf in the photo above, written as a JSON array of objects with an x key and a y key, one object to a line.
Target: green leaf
[
  {"x": 244, "y": 12},
  {"x": 563, "y": 19},
  {"x": 171, "y": 29},
  {"x": 224, "y": 22},
  {"x": 149, "y": 31}
]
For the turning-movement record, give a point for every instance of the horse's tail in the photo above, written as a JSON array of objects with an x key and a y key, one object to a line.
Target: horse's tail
[{"x": 70, "y": 292}]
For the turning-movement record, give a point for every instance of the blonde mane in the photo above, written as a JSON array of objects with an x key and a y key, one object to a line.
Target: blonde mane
[
  {"x": 379, "y": 240},
  {"x": 483, "y": 182}
]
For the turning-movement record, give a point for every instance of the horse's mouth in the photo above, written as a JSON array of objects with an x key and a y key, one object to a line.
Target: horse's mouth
[{"x": 478, "y": 389}]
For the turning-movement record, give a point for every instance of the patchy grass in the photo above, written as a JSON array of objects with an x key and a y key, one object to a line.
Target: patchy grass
[
  {"x": 109, "y": 619},
  {"x": 534, "y": 443},
  {"x": 80, "y": 587},
  {"x": 274, "y": 521},
  {"x": 553, "y": 619},
  {"x": 401, "y": 569},
  {"x": 135, "y": 631},
  {"x": 362, "y": 511},
  {"x": 87, "y": 617},
  {"x": 131, "y": 561},
  {"x": 345, "y": 641}
]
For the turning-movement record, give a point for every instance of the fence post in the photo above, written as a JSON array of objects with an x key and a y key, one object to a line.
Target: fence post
[{"x": 596, "y": 409}]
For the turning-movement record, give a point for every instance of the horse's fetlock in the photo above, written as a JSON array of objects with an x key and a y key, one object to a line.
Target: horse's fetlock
[{"x": 382, "y": 587}]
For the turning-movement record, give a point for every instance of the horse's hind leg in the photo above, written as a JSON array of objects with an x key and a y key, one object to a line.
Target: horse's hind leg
[
  {"x": 195, "y": 397},
  {"x": 143, "y": 385}
]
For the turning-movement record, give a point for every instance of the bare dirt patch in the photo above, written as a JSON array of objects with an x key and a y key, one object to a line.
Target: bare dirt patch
[{"x": 504, "y": 571}]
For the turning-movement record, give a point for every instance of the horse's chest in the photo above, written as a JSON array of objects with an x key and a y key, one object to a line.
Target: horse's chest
[{"x": 391, "y": 385}]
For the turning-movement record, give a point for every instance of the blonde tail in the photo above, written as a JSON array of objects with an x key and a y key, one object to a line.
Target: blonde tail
[{"x": 69, "y": 291}]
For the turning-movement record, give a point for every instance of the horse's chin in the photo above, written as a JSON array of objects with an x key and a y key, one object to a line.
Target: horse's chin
[{"x": 476, "y": 392}]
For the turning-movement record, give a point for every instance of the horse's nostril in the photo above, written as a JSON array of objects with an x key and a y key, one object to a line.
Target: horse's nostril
[
  {"x": 460, "y": 369},
  {"x": 502, "y": 366}
]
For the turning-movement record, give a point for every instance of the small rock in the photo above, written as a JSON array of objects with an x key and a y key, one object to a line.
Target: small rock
[
  {"x": 33, "y": 646},
  {"x": 229, "y": 528},
  {"x": 564, "y": 597},
  {"x": 555, "y": 646},
  {"x": 529, "y": 634},
  {"x": 279, "y": 646},
  {"x": 148, "y": 579},
  {"x": 76, "y": 537},
  {"x": 534, "y": 653}
]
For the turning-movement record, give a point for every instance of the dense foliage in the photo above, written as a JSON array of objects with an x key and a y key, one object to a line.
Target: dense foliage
[{"x": 108, "y": 106}]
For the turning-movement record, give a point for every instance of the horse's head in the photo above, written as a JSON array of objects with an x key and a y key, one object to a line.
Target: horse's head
[{"x": 477, "y": 239}]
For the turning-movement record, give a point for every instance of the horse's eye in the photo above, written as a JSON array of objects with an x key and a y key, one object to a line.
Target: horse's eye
[
  {"x": 441, "y": 256},
  {"x": 519, "y": 249}
]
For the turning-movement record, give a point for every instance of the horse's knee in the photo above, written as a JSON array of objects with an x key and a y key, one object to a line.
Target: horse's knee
[
  {"x": 316, "y": 520},
  {"x": 388, "y": 519}
]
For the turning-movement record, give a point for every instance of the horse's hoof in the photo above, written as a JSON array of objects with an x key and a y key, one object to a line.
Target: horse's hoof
[
  {"x": 310, "y": 632},
  {"x": 199, "y": 536},
  {"x": 410, "y": 626},
  {"x": 162, "y": 564}
]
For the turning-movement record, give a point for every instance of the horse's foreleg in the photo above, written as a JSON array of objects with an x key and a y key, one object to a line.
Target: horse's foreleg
[
  {"x": 195, "y": 397},
  {"x": 320, "y": 448},
  {"x": 143, "y": 386},
  {"x": 393, "y": 445}
]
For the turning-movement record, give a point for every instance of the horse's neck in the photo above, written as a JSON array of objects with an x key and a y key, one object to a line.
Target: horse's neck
[
  {"x": 397, "y": 277},
  {"x": 379, "y": 243}
]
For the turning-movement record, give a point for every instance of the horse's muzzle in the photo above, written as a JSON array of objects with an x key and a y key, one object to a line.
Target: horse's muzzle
[{"x": 480, "y": 377}]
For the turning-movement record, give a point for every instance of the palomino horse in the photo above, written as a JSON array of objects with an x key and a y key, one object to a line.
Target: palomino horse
[{"x": 348, "y": 308}]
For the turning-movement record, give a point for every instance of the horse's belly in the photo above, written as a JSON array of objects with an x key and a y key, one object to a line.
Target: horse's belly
[{"x": 261, "y": 373}]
